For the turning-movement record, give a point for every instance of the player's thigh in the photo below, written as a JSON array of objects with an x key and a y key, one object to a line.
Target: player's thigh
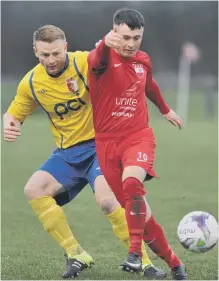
[
  {"x": 109, "y": 162},
  {"x": 40, "y": 184},
  {"x": 50, "y": 178},
  {"x": 69, "y": 177},
  {"x": 70, "y": 191},
  {"x": 138, "y": 160},
  {"x": 104, "y": 195},
  {"x": 55, "y": 178}
]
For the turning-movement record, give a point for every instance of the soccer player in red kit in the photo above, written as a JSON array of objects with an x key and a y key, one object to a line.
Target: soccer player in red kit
[{"x": 120, "y": 79}]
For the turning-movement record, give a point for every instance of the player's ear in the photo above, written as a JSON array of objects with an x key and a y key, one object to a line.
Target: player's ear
[
  {"x": 115, "y": 28},
  {"x": 66, "y": 46},
  {"x": 35, "y": 51}
]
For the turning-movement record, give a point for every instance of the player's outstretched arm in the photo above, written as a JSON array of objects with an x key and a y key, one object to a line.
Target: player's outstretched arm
[
  {"x": 12, "y": 127},
  {"x": 98, "y": 58}
]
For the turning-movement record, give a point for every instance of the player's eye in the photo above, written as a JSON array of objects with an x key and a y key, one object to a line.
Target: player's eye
[
  {"x": 137, "y": 38},
  {"x": 55, "y": 54},
  {"x": 126, "y": 37},
  {"x": 45, "y": 55}
]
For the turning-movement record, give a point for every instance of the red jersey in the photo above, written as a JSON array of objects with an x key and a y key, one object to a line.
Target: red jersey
[{"x": 117, "y": 87}]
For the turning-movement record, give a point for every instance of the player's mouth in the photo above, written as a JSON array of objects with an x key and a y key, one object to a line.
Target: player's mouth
[
  {"x": 52, "y": 67},
  {"x": 130, "y": 51}
]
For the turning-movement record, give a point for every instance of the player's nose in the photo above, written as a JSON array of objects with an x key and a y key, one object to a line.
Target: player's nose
[
  {"x": 131, "y": 43},
  {"x": 51, "y": 60},
  {"x": 131, "y": 46}
]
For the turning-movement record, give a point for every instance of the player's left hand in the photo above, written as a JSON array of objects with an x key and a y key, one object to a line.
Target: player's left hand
[{"x": 174, "y": 119}]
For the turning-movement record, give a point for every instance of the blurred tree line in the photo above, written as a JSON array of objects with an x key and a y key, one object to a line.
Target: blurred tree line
[{"x": 168, "y": 25}]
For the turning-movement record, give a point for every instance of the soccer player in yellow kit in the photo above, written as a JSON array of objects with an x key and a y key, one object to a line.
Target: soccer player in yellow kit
[{"x": 59, "y": 86}]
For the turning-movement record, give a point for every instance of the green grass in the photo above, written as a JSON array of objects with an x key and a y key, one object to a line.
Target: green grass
[{"x": 186, "y": 162}]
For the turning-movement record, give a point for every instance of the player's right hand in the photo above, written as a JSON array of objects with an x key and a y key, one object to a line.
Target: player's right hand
[
  {"x": 113, "y": 39},
  {"x": 11, "y": 129},
  {"x": 174, "y": 119}
]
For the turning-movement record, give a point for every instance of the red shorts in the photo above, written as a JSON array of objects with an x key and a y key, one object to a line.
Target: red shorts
[{"x": 136, "y": 149}]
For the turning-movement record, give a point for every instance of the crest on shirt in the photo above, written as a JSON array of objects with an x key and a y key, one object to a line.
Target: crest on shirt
[
  {"x": 139, "y": 69},
  {"x": 72, "y": 85}
]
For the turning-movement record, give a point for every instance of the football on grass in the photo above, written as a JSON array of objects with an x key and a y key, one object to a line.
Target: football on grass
[{"x": 198, "y": 232}]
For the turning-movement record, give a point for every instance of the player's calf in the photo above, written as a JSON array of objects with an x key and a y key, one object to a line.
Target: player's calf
[{"x": 157, "y": 242}]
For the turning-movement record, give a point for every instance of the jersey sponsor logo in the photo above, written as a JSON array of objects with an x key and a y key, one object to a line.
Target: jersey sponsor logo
[
  {"x": 61, "y": 109},
  {"x": 122, "y": 114},
  {"x": 72, "y": 85},
  {"x": 138, "y": 67},
  {"x": 127, "y": 106},
  {"x": 126, "y": 102}
]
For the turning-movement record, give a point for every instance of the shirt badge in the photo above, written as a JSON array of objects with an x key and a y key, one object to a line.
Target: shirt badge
[
  {"x": 72, "y": 85},
  {"x": 139, "y": 69}
]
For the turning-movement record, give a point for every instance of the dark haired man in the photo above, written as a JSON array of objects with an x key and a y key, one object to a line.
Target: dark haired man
[{"x": 120, "y": 75}]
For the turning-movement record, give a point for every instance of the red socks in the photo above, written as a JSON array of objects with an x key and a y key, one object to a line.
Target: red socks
[
  {"x": 135, "y": 210},
  {"x": 156, "y": 241}
]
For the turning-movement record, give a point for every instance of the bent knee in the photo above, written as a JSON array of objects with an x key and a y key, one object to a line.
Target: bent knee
[
  {"x": 41, "y": 184},
  {"x": 133, "y": 188},
  {"x": 108, "y": 205},
  {"x": 105, "y": 198},
  {"x": 107, "y": 201}
]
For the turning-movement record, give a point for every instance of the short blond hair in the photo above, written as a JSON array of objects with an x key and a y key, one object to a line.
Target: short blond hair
[{"x": 48, "y": 33}]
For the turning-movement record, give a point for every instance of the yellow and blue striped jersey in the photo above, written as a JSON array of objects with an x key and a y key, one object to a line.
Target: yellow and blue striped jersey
[{"x": 65, "y": 99}]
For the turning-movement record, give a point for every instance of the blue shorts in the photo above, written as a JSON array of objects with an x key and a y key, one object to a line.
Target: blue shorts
[{"x": 74, "y": 168}]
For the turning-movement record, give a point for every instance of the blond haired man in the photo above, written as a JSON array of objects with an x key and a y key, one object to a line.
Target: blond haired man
[{"x": 58, "y": 84}]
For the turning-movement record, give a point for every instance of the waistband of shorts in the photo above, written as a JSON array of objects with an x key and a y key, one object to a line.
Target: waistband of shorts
[
  {"x": 116, "y": 135},
  {"x": 77, "y": 144}
]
